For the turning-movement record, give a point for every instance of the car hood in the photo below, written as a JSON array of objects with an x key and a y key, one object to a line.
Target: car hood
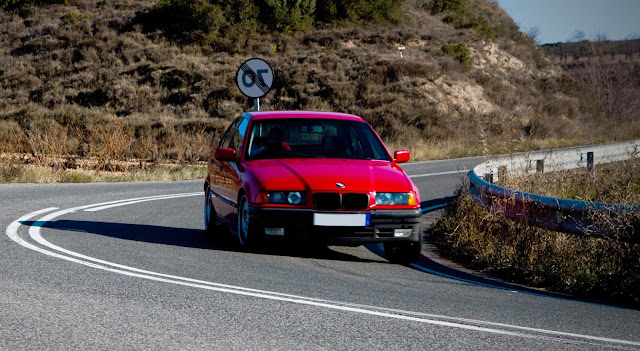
[{"x": 325, "y": 174}]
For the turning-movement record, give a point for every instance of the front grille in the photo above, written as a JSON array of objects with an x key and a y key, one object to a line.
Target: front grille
[
  {"x": 334, "y": 201},
  {"x": 355, "y": 201},
  {"x": 326, "y": 201}
]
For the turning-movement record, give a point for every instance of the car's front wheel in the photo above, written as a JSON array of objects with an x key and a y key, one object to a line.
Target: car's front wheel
[
  {"x": 403, "y": 253},
  {"x": 209, "y": 214},
  {"x": 245, "y": 232}
]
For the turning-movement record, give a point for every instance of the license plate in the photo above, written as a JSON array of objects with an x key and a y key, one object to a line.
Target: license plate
[{"x": 341, "y": 219}]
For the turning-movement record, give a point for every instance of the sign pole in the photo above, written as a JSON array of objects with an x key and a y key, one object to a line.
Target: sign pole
[{"x": 256, "y": 104}]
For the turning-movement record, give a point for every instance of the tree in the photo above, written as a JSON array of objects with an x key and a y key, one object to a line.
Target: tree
[
  {"x": 616, "y": 85},
  {"x": 288, "y": 15},
  {"x": 534, "y": 34},
  {"x": 354, "y": 10},
  {"x": 176, "y": 17}
]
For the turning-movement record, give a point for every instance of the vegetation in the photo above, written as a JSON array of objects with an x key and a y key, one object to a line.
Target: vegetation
[
  {"x": 460, "y": 53},
  {"x": 12, "y": 4},
  {"x": 611, "y": 69},
  {"x": 206, "y": 20},
  {"x": 606, "y": 269},
  {"x": 161, "y": 76},
  {"x": 460, "y": 15}
]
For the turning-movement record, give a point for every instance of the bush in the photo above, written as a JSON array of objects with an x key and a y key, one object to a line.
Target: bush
[
  {"x": 581, "y": 265},
  {"x": 72, "y": 18},
  {"x": 441, "y": 6},
  {"x": 460, "y": 15},
  {"x": 282, "y": 15},
  {"x": 460, "y": 53},
  {"x": 13, "y": 4},
  {"x": 176, "y": 17},
  {"x": 226, "y": 23},
  {"x": 354, "y": 10}
]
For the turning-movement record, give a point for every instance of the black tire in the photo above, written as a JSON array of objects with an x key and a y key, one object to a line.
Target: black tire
[
  {"x": 246, "y": 236},
  {"x": 209, "y": 215},
  {"x": 403, "y": 253}
]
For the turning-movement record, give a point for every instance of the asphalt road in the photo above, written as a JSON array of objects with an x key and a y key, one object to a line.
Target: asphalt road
[{"x": 141, "y": 274}]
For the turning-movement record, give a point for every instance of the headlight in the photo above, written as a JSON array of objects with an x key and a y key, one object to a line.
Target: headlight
[
  {"x": 294, "y": 198},
  {"x": 276, "y": 197},
  {"x": 286, "y": 197},
  {"x": 399, "y": 199}
]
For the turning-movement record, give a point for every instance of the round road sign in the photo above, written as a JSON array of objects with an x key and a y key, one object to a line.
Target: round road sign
[{"x": 254, "y": 78}]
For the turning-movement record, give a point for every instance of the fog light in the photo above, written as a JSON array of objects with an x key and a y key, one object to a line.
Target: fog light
[
  {"x": 401, "y": 233},
  {"x": 274, "y": 231}
]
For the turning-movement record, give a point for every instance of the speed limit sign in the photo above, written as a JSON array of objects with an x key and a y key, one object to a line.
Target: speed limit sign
[{"x": 254, "y": 78}]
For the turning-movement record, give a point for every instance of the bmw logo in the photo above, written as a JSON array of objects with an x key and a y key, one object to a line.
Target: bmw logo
[{"x": 340, "y": 185}]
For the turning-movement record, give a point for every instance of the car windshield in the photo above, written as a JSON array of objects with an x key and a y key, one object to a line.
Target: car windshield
[{"x": 314, "y": 138}]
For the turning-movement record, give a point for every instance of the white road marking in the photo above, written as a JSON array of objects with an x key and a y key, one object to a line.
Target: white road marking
[
  {"x": 438, "y": 173},
  {"x": 12, "y": 233},
  {"x": 135, "y": 201},
  {"x": 12, "y": 229},
  {"x": 445, "y": 321}
]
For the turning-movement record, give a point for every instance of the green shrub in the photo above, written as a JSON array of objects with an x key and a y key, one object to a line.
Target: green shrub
[
  {"x": 460, "y": 53},
  {"x": 10, "y": 3},
  {"x": 242, "y": 16},
  {"x": 76, "y": 177},
  {"x": 237, "y": 20},
  {"x": 13, "y": 4},
  {"x": 285, "y": 16},
  {"x": 72, "y": 18},
  {"x": 176, "y": 17},
  {"x": 461, "y": 16},
  {"x": 441, "y": 6},
  {"x": 355, "y": 10}
]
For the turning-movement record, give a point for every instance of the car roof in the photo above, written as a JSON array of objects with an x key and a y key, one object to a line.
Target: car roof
[{"x": 301, "y": 114}]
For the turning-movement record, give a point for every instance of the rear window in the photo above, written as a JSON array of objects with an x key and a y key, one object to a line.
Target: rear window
[{"x": 314, "y": 138}]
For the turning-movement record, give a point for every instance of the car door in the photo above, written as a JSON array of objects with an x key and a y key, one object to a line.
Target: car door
[{"x": 226, "y": 180}]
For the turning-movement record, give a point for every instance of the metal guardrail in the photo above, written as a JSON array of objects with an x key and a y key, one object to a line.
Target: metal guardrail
[
  {"x": 436, "y": 204},
  {"x": 569, "y": 216}
]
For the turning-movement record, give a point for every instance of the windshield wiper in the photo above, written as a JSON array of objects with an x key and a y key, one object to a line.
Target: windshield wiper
[
  {"x": 299, "y": 155},
  {"x": 359, "y": 158}
]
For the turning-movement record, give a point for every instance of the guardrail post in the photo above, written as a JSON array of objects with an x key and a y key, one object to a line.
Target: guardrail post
[
  {"x": 590, "y": 161},
  {"x": 539, "y": 166},
  {"x": 559, "y": 218}
]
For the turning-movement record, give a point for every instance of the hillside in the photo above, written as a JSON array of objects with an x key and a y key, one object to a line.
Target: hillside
[
  {"x": 610, "y": 69},
  {"x": 118, "y": 81},
  {"x": 573, "y": 53}
]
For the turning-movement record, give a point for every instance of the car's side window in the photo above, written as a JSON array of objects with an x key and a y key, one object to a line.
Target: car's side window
[
  {"x": 226, "y": 140},
  {"x": 238, "y": 136}
]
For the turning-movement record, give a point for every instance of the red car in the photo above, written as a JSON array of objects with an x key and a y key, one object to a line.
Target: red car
[{"x": 314, "y": 176}]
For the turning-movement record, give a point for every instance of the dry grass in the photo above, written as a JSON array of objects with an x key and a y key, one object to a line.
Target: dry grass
[
  {"x": 23, "y": 169},
  {"x": 605, "y": 269},
  {"x": 84, "y": 80},
  {"x": 617, "y": 182}
]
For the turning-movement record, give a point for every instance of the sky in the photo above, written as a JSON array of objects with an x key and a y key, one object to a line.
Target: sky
[{"x": 559, "y": 20}]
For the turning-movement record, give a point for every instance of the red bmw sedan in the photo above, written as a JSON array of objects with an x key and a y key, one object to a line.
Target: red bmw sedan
[{"x": 313, "y": 176}]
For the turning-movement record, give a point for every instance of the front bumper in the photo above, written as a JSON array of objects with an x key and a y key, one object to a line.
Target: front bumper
[{"x": 297, "y": 224}]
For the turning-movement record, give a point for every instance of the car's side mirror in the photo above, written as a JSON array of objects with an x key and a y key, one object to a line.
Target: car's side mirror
[
  {"x": 224, "y": 154},
  {"x": 401, "y": 156}
]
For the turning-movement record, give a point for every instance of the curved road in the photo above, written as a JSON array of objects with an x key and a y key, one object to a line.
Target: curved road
[{"x": 128, "y": 266}]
